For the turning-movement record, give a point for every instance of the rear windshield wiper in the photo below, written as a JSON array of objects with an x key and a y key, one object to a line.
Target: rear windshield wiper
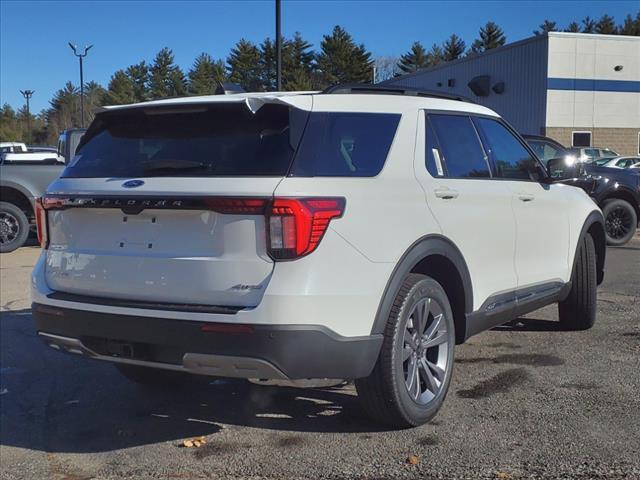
[{"x": 169, "y": 164}]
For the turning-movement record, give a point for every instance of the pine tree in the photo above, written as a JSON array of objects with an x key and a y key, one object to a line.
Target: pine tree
[
  {"x": 414, "y": 60},
  {"x": 297, "y": 64},
  {"x": 166, "y": 80},
  {"x": 243, "y": 66},
  {"x": 630, "y": 26},
  {"x": 588, "y": 25},
  {"x": 120, "y": 90},
  {"x": 491, "y": 36},
  {"x": 205, "y": 75},
  {"x": 606, "y": 25},
  {"x": 341, "y": 60},
  {"x": 573, "y": 27},
  {"x": 546, "y": 26},
  {"x": 267, "y": 65},
  {"x": 139, "y": 76},
  {"x": 94, "y": 97},
  {"x": 453, "y": 48},
  {"x": 435, "y": 55}
]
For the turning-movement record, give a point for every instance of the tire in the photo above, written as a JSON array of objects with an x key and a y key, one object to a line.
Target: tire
[
  {"x": 578, "y": 310},
  {"x": 620, "y": 220},
  {"x": 151, "y": 377},
  {"x": 14, "y": 227},
  {"x": 385, "y": 394}
]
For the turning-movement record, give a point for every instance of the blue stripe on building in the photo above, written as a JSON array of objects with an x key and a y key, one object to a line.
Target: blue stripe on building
[{"x": 588, "y": 84}]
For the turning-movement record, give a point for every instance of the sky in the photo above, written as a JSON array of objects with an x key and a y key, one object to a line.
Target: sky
[{"x": 34, "y": 36}]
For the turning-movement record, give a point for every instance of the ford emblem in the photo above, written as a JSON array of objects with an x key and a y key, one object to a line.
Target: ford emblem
[{"x": 133, "y": 183}]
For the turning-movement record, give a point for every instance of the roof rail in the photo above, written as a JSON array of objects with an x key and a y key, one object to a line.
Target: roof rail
[{"x": 391, "y": 90}]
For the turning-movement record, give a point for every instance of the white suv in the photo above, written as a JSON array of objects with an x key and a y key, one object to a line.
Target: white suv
[{"x": 358, "y": 233}]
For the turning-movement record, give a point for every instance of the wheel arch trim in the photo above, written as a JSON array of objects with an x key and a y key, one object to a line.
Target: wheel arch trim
[
  {"x": 594, "y": 218},
  {"x": 424, "y": 247}
]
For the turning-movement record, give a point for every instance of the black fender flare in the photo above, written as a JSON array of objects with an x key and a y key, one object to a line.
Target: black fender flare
[
  {"x": 422, "y": 248},
  {"x": 595, "y": 217}
]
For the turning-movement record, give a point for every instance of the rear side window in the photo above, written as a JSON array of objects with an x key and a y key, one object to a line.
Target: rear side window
[
  {"x": 510, "y": 158},
  {"x": 460, "y": 146},
  {"x": 210, "y": 141},
  {"x": 345, "y": 144}
]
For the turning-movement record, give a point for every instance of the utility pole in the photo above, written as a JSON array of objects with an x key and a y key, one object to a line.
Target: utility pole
[
  {"x": 27, "y": 94},
  {"x": 80, "y": 56},
  {"x": 278, "y": 49}
]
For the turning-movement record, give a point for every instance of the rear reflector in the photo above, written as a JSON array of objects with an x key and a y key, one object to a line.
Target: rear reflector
[
  {"x": 227, "y": 328},
  {"x": 296, "y": 225}
]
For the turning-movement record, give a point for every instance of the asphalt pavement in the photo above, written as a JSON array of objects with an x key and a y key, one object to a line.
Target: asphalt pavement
[{"x": 526, "y": 401}]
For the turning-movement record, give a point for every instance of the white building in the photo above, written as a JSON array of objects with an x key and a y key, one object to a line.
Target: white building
[{"x": 580, "y": 89}]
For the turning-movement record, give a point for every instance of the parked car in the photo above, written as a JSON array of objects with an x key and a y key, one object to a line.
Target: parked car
[
  {"x": 591, "y": 154},
  {"x": 24, "y": 177},
  {"x": 358, "y": 233},
  {"x": 622, "y": 162},
  {"x": 617, "y": 192},
  {"x": 12, "y": 147}
]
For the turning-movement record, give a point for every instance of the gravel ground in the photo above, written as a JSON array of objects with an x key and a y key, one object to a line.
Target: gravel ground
[{"x": 526, "y": 401}]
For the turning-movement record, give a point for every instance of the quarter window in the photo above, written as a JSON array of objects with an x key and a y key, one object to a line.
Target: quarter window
[
  {"x": 460, "y": 147},
  {"x": 510, "y": 158}
]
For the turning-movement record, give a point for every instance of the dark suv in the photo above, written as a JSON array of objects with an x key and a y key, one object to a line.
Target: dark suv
[{"x": 616, "y": 191}]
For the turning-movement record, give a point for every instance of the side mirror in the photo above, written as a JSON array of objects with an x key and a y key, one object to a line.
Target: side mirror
[{"x": 563, "y": 168}]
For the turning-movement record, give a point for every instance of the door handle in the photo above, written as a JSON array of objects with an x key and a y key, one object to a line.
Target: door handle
[
  {"x": 445, "y": 193},
  {"x": 526, "y": 197}
]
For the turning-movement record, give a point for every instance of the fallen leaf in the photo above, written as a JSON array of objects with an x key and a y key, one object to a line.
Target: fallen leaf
[
  {"x": 504, "y": 476},
  {"x": 187, "y": 444},
  {"x": 412, "y": 460}
]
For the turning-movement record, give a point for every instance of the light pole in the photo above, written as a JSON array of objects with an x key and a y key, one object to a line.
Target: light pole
[
  {"x": 27, "y": 94},
  {"x": 278, "y": 49},
  {"x": 80, "y": 56}
]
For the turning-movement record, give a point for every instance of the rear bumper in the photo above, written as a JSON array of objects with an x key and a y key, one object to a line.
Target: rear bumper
[{"x": 231, "y": 350}]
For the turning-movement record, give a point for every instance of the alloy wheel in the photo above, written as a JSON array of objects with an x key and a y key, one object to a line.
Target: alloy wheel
[
  {"x": 425, "y": 350},
  {"x": 618, "y": 222},
  {"x": 9, "y": 228}
]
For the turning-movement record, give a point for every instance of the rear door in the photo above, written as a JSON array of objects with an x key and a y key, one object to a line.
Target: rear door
[
  {"x": 542, "y": 223},
  {"x": 473, "y": 209},
  {"x": 167, "y": 205}
]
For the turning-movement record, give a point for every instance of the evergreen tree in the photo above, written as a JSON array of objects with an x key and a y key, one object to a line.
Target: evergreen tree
[
  {"x": 573, "y": 27},
  {"x": 94, "y": 97},
  {"x": 435, "y": 55},
  {"x": 166, "y": 80},
  {"x": 491, "y": 36},
  {"x": 120, "y": 90},
  {"x": 205, "y": 75},
  {"x": 341, "y": 60},
  {"x": 243, "y": 66},
  {"x": 267, "y": 65},
  {"x": 139, "y": 75},
  {"x": 606, "y": 25},
  {"x": 630, "y": 26},
  {"x": 453, "y": 48},
  {"x": 297, "y": 64},
  {"x": 546, "y": 26},
  {"x": 414, "y": 60},
  {"x": 588, "y": 25}
]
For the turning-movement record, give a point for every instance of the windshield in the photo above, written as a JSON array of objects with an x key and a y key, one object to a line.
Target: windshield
[
  {"x": 221, "y": 140},
  {"x": 545, "y": 150}
]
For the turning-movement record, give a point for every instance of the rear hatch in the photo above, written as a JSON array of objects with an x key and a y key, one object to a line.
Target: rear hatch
[{"x": 165, "y": 204}]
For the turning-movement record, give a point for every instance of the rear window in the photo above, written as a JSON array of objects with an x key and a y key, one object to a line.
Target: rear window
[
  {"x": 345, "y": 144},
  {"x": 221, "y": 140}
]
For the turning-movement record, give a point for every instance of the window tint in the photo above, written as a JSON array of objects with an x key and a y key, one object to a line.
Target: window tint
[
  {"x": 341, "y": 144},
  {"x": 510, "y": 158},
  {"x": 433, "y": 157},
  {"x": 545, "y": 150},
  {"x": 459, "y": 146},
  {"x": 220, "y": 140}
]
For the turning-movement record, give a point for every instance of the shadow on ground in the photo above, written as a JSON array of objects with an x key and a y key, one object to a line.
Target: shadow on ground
[{"x": 56, "y": 402}]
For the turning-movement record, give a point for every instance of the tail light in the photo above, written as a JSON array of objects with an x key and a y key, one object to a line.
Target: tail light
[
  {"x": 41, "y": 223},
  {"x": 295, "y": 226}
]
